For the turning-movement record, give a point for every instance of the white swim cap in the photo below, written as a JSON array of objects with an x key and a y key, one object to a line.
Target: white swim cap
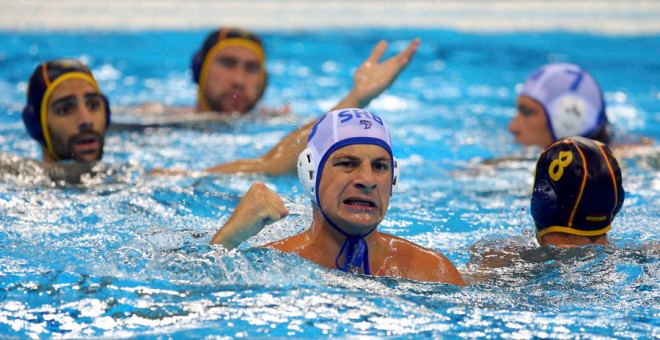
[
  {"x": 571, "y": 98},
  {"x": 335, "y": 130}
]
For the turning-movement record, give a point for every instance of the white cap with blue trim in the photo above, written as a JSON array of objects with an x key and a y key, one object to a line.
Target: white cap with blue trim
[
  {"x": 335, "y": 130},
  {"x": 571, "y": 98}
]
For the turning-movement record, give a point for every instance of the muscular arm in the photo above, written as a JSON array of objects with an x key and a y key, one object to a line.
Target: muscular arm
[
  {"x": 370, "y": 80},
  {"x": 432, "y": 266},
  {"x": 259, "y": 207},
  {"x": 279, "y": 160},
  {"x": 20, "y": 166},
  {"x": 11, "y": 164},
  {"x": 409, "y": 260}
]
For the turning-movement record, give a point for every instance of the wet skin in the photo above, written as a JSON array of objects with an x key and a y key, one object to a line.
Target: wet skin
[
  {"x": 76, "y": 121},
  {"x": 355, "y": 186},
  {"x": 530, "y": 125},
  {"x": 233, "y": 80}
]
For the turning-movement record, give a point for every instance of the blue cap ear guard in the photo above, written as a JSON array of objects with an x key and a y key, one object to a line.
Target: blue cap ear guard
[
  {"x": 333, "y": 131},
  {"x": 577, "y": 188}
]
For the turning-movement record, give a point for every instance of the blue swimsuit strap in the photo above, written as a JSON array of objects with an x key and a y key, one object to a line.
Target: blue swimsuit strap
[{"x": 357, "y": 251}]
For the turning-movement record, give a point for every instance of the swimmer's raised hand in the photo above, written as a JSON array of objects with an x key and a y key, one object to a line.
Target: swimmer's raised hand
[
  {"x": 373, "y": 77},
  {"x": 258, "y": 208}
]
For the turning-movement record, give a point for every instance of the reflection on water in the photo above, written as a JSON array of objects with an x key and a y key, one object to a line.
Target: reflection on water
[
  {"x": 123, "y": 259},
  {"x": 121, "y": 253},
  {"x": 140, "y": 289}
]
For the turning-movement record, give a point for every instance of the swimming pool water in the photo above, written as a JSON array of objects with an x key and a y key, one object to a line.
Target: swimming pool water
[{"x": 126, "y": 254}]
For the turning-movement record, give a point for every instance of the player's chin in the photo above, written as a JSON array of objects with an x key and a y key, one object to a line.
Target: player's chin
[{"x": 88, "y": 155}]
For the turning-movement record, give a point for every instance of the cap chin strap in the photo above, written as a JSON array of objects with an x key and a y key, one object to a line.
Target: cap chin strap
[
  {"x": 571, "y": 231},
  {"x": 356, "y": 248}
]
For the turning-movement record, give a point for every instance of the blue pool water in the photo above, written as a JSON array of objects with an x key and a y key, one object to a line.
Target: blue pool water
[{"x": 126, "y": 254}]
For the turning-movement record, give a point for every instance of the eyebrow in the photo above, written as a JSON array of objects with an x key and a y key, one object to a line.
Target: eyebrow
[
  {"x": 525, "y": 109},
  {"x": 231, "y": 57},
  {"x": 72, "y": 98},
  {"x": 382, "y": 159},
  {"x": 226, "y": 57},
  {"x": 92, "y": 95},
  {"x": 351, "y": 157},
  {"x": 64, "y": 100}
]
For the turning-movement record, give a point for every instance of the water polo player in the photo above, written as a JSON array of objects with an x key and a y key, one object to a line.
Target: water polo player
[
  {"x": 66, "y": 112},
  {"x": 68, "y": 116},
  {"x": 371, "y": 78},
  {"x": 577, "y": 193},
  {"x": 557, "y": 101},
  {"x": 230, "y": 71},
  {"x": 348, "y": 171}
]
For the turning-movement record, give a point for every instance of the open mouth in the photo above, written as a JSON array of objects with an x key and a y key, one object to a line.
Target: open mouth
[
  {"x": 87, "y": 143},
  {"x": 359, "y": 203},
  {"x": 86, "y": 140}
]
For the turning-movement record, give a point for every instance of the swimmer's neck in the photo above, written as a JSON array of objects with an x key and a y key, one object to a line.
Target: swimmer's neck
[
  {"x": 322, "y": 231},
  {"x": 199, "y": 109},
  {"x": 562, "y": 240},
  {"x": 46, "y": 157}
]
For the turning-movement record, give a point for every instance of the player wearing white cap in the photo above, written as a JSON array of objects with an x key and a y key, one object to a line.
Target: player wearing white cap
[
  {"x": 348, "y": 171},
  {"x": 557, "y": 101}
]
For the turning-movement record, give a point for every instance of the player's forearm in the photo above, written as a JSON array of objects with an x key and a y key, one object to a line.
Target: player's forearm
[{"x": 352, "y": 100}]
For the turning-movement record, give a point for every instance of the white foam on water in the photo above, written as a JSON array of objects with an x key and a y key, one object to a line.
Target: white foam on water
[{"x": 614, "y": 17}]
